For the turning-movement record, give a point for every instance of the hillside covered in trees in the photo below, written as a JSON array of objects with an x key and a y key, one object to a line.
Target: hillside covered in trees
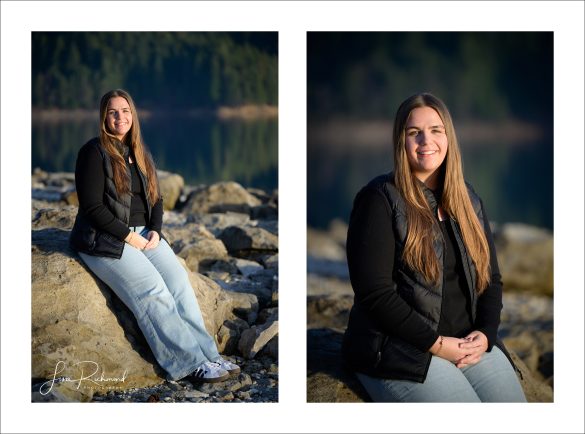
[
  {"x": 487, "y": 75},
  {"x": 182, "y": 70}
]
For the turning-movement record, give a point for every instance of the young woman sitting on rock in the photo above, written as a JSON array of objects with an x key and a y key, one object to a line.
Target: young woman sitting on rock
[
  {"x": 422, "y": 264},
  {"x": 117, "y": 234}
]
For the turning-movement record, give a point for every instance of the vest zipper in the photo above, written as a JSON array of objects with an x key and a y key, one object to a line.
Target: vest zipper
[
  {"x": 466, "y": 267},
  {"x": 144, "y": 187},
  {"x": 380, "y": 348}
]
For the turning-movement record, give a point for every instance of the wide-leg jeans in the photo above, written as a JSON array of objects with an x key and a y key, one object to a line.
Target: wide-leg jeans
[{"x": 156, "y": 288}]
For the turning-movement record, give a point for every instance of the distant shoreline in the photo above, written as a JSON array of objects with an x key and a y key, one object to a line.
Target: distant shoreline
[
  {"x": 243, "y": 112},
  {"x": 339, "y": 134}
]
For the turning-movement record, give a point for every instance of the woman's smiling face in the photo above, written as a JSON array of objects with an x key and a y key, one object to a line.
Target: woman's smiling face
[
  {"x": 425, "y": 142},
  {"x": 118, "y": 117}
]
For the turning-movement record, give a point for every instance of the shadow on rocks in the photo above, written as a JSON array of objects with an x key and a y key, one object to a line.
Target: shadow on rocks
[{"x": 328, "y": 380}]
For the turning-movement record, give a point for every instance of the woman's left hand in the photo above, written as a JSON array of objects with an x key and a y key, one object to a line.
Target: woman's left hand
[
  {"x": 476, "y": 345},
  {"x": 153, "y": 239}
]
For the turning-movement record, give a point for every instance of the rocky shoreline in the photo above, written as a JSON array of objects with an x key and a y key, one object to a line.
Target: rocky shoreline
[
  {"x": 225, "y": 236},
  {"x": 525, "y": 256}
]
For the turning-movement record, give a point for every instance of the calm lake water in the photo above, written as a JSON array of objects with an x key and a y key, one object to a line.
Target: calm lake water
[
  {"x": 515, "y": 180},
  {"x": 202, "y": 150}
]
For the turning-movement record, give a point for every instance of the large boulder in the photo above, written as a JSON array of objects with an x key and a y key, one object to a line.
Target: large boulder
[
  {"x": 171, "y": 186},
  {"x": 526, "y": 258},
  {"x": 221, "y": 197},
  {"x": 194, "y": 243},
  {"x": 79, "y": 323},
  {"x": 241, "y": 239}
]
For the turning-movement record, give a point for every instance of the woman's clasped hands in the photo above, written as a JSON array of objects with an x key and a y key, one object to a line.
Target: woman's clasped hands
[
  {"x": 461, "y": 351},
  {"x": 138, "y": 241},
  {"x": 476, "y": 343}
]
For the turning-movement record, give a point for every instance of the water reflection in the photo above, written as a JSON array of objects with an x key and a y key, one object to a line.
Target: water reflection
[
  {"x": 202, "y": 150},
  {"x": 515, "y": 180}
]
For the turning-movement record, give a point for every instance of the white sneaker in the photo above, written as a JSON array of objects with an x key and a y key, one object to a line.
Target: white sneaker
[
  {"x": 230, "y": 367},
  {"x": 209, "y": 372}
]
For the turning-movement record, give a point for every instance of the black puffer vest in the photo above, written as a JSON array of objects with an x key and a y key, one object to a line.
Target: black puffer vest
[
  {"x": 365, "y": 348},
  {"x": 90, "y": 240}
]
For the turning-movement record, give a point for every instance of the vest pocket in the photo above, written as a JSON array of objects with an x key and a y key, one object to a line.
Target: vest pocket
[
  {"x": 107, "y": 243},
  {"x": 83, "y": 235},
  {"x": 362, "y": 343},
  {"x": 401, "y": 360}
]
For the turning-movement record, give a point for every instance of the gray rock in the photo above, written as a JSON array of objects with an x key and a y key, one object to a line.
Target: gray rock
[
  {"x": 274, "y": 297},
  {"x": 61, "y": 217},
  {"x": 264, "y": 212},
  {"x": 196, "y": 394},
  {"x": 328, "y": 311},
  {"x": 241, "y": 381},
  {"x": 229, "y": 334},
  {"x": 266, "y": 315},
  {"x": 270, "y": 261},
  {"x": 271, "y": 348},
  {"x": 221, "y": 197},
  {"x": 202, "y": 252},
  {"x": 171, "y": 185},
  {"x": 217, "y": 222},
  {"x": 260, "y": 194},
  {"x": 173, "y": 219},
  {"x": 247, "y": 267},
  {"x": 338, "y": 231},
  {"x": 243, "y": 285},
  {"x": 327, "y": 378},
  {"x": 61, "y": 392},
  {"x": 237, "y": 239},
  {"x": 320, "y": 244},
  {"x": 268, "y": 225},
  {"x": 194, "y": 243},
  {"x": 243, "y": 395},
  {"x": 526, "y": 258},
  {"x": 255, "y": 338},
  {"x": 242, "y": 305},
  {"x": 224, "y": 266}
]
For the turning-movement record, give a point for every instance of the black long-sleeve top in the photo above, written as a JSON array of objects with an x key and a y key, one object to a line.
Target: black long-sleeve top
[
  {"x": 90, "y": 181},
  {"x": 370, "y": 253}
]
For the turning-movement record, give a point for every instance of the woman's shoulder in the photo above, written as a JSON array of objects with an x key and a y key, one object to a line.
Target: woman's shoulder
[
  {"x": 375, "y": 193},
  {"x": 90, "y": 154},
  {"x": 378, "y": 182},
  {"x": 91, "y": 147}
]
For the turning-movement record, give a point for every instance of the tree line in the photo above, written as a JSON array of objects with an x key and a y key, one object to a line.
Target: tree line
[
  {"x": 162, "y": 70},
  {"x": 489, "y": 75}
]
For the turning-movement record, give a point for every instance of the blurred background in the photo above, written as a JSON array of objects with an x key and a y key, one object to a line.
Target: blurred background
[
  {"x": 207, "y": 101},
  {"x": 499, "y": 89}
]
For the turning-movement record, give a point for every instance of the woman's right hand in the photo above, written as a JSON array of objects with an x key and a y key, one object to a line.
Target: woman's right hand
[
  {"x": 449, "y": 350},
  {"x": 136, "y": 240}
]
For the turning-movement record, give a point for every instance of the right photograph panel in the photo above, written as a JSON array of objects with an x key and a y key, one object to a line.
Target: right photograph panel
[{"x": 430, "y": 217}]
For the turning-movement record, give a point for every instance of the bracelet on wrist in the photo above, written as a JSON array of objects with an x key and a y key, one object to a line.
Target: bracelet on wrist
[{"x": 440, "y": 344}]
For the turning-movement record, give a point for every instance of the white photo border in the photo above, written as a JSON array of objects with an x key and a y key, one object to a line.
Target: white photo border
[{"x": 291, "y": 20}]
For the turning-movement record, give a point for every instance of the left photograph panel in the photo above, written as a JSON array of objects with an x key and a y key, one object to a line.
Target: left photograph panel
[{"x": 154, "y": 211}]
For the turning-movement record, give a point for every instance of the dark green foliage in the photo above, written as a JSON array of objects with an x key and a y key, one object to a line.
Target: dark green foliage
[
  {"x": 162, "y": 70},
  {"x": 487, "y": 75}
]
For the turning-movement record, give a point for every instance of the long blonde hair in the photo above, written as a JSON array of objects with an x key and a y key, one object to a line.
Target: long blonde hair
[
  {"x": 132, "y": 139},
  {"x": 419, "y": 253}
]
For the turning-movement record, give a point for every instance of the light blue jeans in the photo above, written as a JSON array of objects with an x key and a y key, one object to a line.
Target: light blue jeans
[
  {"x": 491, "y": 380},
  {"x": 156, "y": 288}
]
